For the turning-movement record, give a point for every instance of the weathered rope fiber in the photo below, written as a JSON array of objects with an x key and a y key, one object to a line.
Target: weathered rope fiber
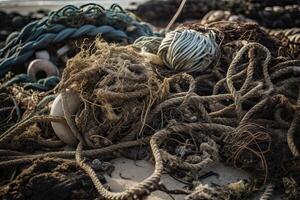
[{"x": 268, "y": 193}]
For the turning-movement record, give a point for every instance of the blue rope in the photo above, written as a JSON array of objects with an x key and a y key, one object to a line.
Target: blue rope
[
  {"x": 116, "y": 24},
  {"x": 28, "y": 83}
]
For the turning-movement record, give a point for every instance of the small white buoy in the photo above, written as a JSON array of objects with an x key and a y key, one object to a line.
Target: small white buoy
[
  {"x": 42, "y": 55},
  {"x": 43, "y": 68},
  {"x": 62, "y": 130},
  {"x": 62, "y": 53}
]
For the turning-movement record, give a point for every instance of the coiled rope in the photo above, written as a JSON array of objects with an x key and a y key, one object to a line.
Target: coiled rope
[
  {"x": 184, "y": 50},
  {"x": 71, "y": 22},
  {"x": 188, "y": 50}
]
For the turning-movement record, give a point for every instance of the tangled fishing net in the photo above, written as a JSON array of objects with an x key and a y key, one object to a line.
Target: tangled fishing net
[
  {"x": 204, "y": 93},
  {"x": 119, "y": 92}
]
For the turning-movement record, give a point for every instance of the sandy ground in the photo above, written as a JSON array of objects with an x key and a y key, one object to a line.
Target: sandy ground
[
  {"x": 136, "y": 172},
  {"x": 128, "y": 173}
]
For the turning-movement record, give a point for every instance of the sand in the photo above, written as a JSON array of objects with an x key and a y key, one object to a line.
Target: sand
[
  {"x": 136, "y": 172},
  {"x": 128, "y": 173}
]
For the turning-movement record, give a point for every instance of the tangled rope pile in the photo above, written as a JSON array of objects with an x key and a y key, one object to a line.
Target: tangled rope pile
[
  {"x": 67, "y": 23},
  {"x": 119, "y": 94},
  {"x": 233, "y": 98},
  {"x": 291, "y": 35}
]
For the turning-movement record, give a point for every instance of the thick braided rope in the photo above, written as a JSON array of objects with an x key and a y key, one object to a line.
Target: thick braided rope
[
  {"x": 237, "y": 95},
  {"x": 254, "y": 92},
  {"x": 51, "y": 24},
  {"x": 44, "y": 40},
  {"x": 209, "y": 150},
  {"x": 268, "y": 193},
  {"x": 292, "y": 130},
  {"x": 41, "y": 85},
  {"x": 117, "y": 25}
]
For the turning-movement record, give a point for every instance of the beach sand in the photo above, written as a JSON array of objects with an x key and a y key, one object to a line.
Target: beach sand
[{"x": 128, "y": 173}]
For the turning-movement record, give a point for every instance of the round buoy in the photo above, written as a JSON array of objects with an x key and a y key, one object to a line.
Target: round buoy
[
  {"x": 41, "y": 68},
  {"x": 62, "y": 130}
]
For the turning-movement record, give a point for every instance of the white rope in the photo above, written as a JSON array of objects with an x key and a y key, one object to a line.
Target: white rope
[
  {"x": 188, "y": 50},
  {"x": 176, "y": 15}
]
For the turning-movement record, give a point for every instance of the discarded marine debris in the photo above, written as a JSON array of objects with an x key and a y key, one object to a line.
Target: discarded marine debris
[{"x": 217, "y": 90}]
